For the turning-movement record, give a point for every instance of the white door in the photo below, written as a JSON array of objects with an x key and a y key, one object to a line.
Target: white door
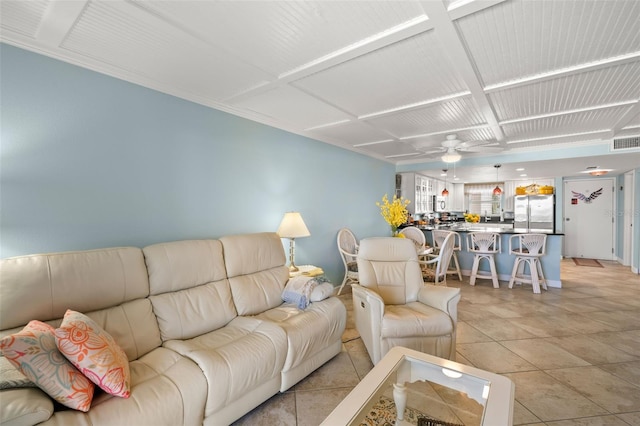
[{"x": 588, "y": 218}]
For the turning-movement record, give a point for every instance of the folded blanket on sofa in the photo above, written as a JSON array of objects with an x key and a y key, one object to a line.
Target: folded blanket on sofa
[
  {"x": 298, "y": 291},
  {"x": 11, "y": 377}
]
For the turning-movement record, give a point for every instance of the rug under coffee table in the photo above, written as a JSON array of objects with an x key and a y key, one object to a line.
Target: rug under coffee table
[{"x": 434, "y": 391}]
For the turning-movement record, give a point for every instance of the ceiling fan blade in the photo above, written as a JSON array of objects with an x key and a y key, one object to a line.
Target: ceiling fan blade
[
  {"x": 482, "y": 148},
  {"x": 472, "y": 144}
]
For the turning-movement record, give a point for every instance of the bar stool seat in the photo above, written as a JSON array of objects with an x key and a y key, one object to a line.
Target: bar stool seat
[
  {"x": 438, "y": 239},
  {"x": 528, "y": 249},
  {"x": 484, "y": 245}
]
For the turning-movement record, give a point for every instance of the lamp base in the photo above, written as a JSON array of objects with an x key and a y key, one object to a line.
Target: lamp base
[{"x": 292, "y": 265}]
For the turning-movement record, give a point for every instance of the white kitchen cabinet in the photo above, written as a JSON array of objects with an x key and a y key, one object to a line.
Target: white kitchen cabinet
[{"x": 417, "y": 189}]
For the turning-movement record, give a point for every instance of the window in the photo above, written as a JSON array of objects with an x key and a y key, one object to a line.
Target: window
[{"x": 481, "y": 199}]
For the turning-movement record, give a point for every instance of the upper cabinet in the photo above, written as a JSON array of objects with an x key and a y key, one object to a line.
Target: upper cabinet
[{"x": 417, "y": 189}]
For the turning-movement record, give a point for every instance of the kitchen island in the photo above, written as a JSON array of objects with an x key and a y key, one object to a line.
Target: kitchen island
[{"x": 504, "y": 260}]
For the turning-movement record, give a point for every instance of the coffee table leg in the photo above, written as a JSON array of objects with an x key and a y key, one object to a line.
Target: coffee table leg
[{"x": 400, "y": 399}]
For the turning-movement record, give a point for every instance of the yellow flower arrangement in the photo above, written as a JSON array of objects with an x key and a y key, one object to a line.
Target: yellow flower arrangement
[
  {"x": 394, "y": 212},
  {"x": 472, "y": 217}
]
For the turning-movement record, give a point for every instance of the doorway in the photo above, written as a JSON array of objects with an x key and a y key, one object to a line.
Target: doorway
[{"x": 589, "y": 221}]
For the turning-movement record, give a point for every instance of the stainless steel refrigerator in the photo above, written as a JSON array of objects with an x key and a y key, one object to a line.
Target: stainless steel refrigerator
[{"x": 534, "y": 212}]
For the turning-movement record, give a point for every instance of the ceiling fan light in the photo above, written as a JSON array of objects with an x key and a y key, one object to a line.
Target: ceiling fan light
[{"x": 451, "y": 157}]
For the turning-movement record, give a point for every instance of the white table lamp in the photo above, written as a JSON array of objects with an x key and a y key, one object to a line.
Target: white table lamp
[{"x": 292, "y": 227}]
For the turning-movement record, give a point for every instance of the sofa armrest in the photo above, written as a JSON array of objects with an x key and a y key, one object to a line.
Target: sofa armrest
[
  {"x": 444, "y": 298},
  {"x": 24, "y": 406}
]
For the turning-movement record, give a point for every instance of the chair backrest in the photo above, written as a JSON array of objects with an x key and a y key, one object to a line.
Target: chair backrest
[
  {"x": 440, "y": 234},
  {"x": 528, "y": 244},
  {"x": 347, "y": 245},
  {"x": 389, "y": 266},
  {"x": 444, "y": 256},
  {"x": 416, "y": 235},
  {"x": 483, "y": 242}
]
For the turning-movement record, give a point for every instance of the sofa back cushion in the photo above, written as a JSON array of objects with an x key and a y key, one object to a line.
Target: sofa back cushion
[
  {"x": 189, "y": 289},
  {"x": 256, "y": 269},
  {"x": 109, "y": 285}
]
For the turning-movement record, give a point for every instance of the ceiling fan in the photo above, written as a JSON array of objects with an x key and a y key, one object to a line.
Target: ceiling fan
[{"x": 451, "y": 148}]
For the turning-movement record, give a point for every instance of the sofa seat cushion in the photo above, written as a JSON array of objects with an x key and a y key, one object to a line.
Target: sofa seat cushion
[
  {"x": 414, "y": 319},
  {"x": 236, "y": 358},
  {"x": 24, "y": 406},
  {"x": 166, "y": 389},
  {"x": 308, "y": 331}
]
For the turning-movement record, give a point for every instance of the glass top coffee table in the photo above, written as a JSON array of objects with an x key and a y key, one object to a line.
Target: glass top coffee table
[{"x": 428, "y": 391}]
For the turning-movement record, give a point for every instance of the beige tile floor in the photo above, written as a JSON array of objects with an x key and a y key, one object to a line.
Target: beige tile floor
[{"x": 573, "y": 353}]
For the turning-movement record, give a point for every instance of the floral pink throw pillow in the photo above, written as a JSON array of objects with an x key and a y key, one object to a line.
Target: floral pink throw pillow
[
  {"x": 33, "y": 351},
  {"x": 94, "y": 352}
]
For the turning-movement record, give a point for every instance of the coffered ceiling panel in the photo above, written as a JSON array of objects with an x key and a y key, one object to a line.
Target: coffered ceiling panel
[
  {"x": 352, "y": 133},
  {"x": 591, "y": 89},
  {"x": 292, "y": 105},
  {"x": 280, "y": 36},
  {"x": 120, "y": 33},
  {"x": 23, "y": 17},
  {"x": 521, "y": 38},
  {"x": 567, "y": 124},
  {"x": 411, "y": 71},
  {"x": 375, "y": 77},
  {"x": 434, "y": 118}
]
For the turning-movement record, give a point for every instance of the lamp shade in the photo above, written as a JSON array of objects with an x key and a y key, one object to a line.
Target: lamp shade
[{"x": 292, "y": 226}]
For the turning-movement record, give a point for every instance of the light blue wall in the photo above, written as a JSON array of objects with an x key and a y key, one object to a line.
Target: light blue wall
[{"x": 89, "y": 161}]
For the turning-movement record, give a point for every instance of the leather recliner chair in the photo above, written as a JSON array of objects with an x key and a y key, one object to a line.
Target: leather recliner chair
[{"x": 394, "y": 307}]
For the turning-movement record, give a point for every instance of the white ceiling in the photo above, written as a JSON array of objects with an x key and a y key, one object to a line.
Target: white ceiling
[{"x": 388, "y": 79}]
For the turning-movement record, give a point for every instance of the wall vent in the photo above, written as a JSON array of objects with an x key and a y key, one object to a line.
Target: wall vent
[{"x": 632, "y": 143}]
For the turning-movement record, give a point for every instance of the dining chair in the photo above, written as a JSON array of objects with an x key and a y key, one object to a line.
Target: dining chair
[
  {"x": 416, "y": 235},
  {"x": 438, "y": 236},
  {"x": 393, "y": 307},
  {"x": 435, "y": 269},
  {"x": 348, "y": 247}
]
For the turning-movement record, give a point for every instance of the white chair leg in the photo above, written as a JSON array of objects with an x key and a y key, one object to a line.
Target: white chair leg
[
  {"x": 494, "y": 274},
  {"x": 533, "y": 270},
  {"x": 342, "y": 285},
  {"x": 543, "y": 280},
  {"x": 457, "y": 264},
  {"x": 514, "y": 272},
  {"x": 474, "y": 270}
]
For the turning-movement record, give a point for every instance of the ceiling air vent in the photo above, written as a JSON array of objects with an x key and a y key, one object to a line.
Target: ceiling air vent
[{"x": 626, "y": 143}]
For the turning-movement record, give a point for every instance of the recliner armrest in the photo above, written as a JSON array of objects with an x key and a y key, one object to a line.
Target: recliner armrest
[{"x": 444, "y": 298}]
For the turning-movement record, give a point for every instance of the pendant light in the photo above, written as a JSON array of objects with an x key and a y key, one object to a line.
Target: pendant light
[
  {"x": 497, "y": 190},
  {"x": 445, "y": 192}
]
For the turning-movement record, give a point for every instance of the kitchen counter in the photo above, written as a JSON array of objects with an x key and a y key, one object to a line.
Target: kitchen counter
[
  {"x": 504, "y": 260},
  {"x": 499, "y": 227}
]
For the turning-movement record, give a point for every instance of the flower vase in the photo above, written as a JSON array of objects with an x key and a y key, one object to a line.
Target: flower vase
[{"x": 394, "y": 231}]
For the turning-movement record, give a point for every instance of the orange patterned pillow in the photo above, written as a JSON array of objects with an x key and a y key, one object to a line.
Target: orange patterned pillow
[
  {"x": 33, "y": 351},
  {"x": 94, "y": 352}
]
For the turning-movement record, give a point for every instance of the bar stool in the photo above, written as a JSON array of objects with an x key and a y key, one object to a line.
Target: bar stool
[
  {"x": 528, "y": 249},
  {"x": 484, "y": 245},
  {"x": 438, "y": 238}
]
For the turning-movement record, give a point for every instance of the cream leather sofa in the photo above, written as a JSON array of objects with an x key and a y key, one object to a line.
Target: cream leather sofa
[{"x": 202, "y": 322}]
